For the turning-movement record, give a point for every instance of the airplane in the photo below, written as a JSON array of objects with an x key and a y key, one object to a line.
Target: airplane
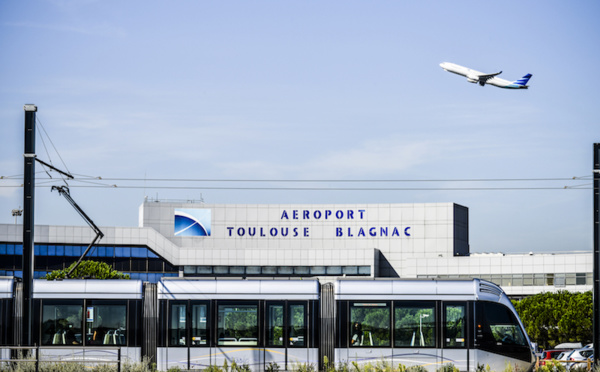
[{"x": 483, "y": 79}]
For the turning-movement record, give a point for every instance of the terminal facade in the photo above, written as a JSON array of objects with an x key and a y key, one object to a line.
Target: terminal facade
[{"x": 307, "y": 240}]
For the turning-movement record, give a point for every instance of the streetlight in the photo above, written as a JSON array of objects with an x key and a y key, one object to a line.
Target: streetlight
[
  {"x": 17, "y": 213},
  {"x": 421, "y": 316}
]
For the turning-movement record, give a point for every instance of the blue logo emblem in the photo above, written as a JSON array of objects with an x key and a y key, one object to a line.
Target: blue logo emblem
[{"x": 192, "y": 222}]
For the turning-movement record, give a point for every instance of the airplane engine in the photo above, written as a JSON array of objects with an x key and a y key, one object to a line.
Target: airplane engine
[{"x": 472, "y": 79}]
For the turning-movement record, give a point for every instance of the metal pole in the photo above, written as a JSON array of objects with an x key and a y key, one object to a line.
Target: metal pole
[
  {"x": 596, "y": 252},
  {"x": 28, "y": 222}
]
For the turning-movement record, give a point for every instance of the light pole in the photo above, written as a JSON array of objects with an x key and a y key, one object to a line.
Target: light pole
[
  {"x": 17, "y": 213},
  {"x": 421, "y": 316}
]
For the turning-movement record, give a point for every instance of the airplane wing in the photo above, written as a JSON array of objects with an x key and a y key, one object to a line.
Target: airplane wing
[{"x": 484, "y": 78}]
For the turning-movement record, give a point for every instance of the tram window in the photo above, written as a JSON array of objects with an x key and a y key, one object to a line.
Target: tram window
[
  {"x": 369, "y": 324},
  {"x": 106, "y": 324},
  {"x": 177, "y": 324},
  {"x": 455, "y": 324},
  {"x": 275, "y": 325},
  {"x": 297, "y": 330},
  {"x": 61, "y": 323},
  {"x": 199, "y": 324},
  {"x": 498, "y": 331},
  {"x": 414, "y": 324},
  {"x": 238, "y": 324}
]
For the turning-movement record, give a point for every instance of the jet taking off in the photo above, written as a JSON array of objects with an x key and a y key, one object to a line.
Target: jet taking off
[{"x": 483, "y": 79}]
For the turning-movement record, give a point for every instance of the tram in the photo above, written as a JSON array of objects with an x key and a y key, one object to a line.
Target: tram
[{"x": 272, "y": 324}]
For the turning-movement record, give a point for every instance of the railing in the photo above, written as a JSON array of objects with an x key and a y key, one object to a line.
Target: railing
[
  {"x": 589, "y": 363},
  {"x": 22, "y": 354}
]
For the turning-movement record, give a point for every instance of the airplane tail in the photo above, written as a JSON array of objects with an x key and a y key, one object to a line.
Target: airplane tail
[{"x": 523, "y": 81}]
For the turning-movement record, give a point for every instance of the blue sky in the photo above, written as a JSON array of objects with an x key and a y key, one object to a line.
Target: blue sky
[{"x": 344, "y": 90}]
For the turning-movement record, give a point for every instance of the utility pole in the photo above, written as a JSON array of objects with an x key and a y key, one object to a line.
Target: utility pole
[
  {"x": 596, "y": 252},
  {"x": 28, "y": 223}
]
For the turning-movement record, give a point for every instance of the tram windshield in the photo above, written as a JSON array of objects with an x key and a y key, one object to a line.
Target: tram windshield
[{"x": 499, "y": 331}]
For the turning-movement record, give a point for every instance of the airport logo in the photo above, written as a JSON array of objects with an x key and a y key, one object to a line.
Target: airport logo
[{"x": 192, "y": 222}]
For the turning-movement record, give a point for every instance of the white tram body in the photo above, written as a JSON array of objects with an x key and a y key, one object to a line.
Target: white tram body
[
  {"x": 249, "y": 322},
  {"x": 195, "y": 323},
  {"x": 429, "y": 323}
]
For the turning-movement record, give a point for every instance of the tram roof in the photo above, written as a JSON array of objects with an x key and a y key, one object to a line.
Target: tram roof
[
  {"x": 88, "y": 288},
  {"x": 416, "y": 289},
  {"x": 204, "y": 289}
]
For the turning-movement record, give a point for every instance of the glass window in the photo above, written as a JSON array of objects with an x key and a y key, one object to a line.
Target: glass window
[
  {"x": 61, "y": 323},
  {"x": 580, "y": 279},
  {"x": 238, "y": 324},
  {"x": 301, "y": 270},
  {"x": 538, "y": 279},
  {"x": 351, "y": 270},
  {"x": 237, "y": 270},
  {"x": 549, "y": 279},
  {"x": 414, "y": 324},
  {"x": 369, "y": 324},
  {"x": 269, "y": 270},
  {"x": 223, "y": 270},
  {"x": 317, "y": 270},
  {"x": 285, "y": 270},
  {"x": 203, "y": 269},
  {"x": 106, "y": 324},
  {"x": 275, "y": 325},
  {"x": 364, "y": 270},
  {"x": 60, "y": 250},
  {"x": 253, "y": 270},
  {"x": 199, "y": 324},
  {"x": 498, "y": 331},
  {"x": 334, "y": 270},
  {"x": 297, "y": 324},
  {"x": 177, "y": 324},
  {"x": 570, "y": 279},
  {"x": 455, "y": 325}
]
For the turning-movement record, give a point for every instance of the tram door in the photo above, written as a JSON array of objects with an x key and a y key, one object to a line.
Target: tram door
[
  {"x": 286, "y": 331},
  {"x": 455, "y": 330}
]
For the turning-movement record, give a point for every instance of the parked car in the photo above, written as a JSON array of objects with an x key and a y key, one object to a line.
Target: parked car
[
  {"x": 550, "y": 354},
  {"x": 579, "y": 355}
]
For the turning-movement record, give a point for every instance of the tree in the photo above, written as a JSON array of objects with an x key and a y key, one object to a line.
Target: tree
[
  {"x": 90, "y": 270},
  {"x": 554, "y": 318}
]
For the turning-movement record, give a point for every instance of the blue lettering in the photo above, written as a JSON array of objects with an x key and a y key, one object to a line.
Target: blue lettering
[
  {"x": 284, "y": 231},
  {"x": 338, "y": 231},
  {"x": 273, "y": 231},
  {"x": 262, "y": 233},
  {"x": 361, "y": 232},
  {"x": 295, "y": 214},
  {"x": 252, "y": 231},
  {"x": 317, "y": 214},
  {"x": 295, "y": 231},
  {"x": 339, "y": 214},
  {"x": 373, "y": 231},
  {"x": 327, "y": 213},
  {"x": 241, "y": 231},
  {"x": 306, "y": 214},
  {"x": 284, "y": 215},
  {"x": 383, "y": 231},
  {"x": 350, "y": 232},
  {"x": 361, "y": 211},
  {"x": 230, "y": 229},
  {"x": 306, "y": 232},
  {"x": 350, "y": 214},
  {"x": 395, "y": 232},
  {"x": 406, "y": 231}
]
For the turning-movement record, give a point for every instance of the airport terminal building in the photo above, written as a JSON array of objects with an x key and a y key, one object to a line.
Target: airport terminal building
[{"x": 308, "y": 240}]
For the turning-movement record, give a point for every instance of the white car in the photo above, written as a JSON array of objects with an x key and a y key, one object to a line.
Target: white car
[{"x": 579, "y": 355}]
